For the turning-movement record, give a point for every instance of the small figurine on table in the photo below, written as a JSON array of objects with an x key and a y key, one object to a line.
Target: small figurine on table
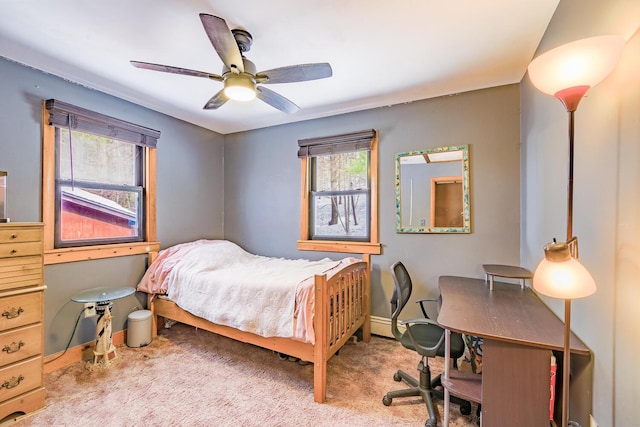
[{"x": 104, "y": 344}]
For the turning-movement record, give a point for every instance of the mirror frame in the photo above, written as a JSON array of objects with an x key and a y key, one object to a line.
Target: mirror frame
[{"x": 466, "y": 209}]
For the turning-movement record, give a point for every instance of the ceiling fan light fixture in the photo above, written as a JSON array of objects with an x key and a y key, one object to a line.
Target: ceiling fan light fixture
[
  {"x": 239, "y": 74},
  {"x": 240, "y": 87}
]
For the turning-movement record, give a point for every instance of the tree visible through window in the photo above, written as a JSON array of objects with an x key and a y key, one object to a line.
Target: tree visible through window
[
  {"x": 98, "y": 189},
  {"x": 340, "y": 196}
]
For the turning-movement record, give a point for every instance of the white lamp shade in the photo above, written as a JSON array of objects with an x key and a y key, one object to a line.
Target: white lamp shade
[
  {"x": 566, "y": 279},
  {"x": 239, "y": 87},
  {"x": 581, "y": 63},
  {"x": 240, "y": 93}
]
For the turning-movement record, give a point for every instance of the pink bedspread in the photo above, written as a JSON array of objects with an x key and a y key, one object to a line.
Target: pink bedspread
[
  {"x": 158, "y": 279},
  {"x": 155, "y": 279}
]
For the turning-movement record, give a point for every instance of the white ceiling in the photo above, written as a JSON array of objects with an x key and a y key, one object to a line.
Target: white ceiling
[{"x": 382, "y": 52}]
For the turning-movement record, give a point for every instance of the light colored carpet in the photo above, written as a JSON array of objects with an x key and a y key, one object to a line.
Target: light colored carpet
[{"x": 190, "y": 377}]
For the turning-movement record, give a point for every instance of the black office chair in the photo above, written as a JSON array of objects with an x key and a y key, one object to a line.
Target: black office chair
[{"x": 425, "y": 337}]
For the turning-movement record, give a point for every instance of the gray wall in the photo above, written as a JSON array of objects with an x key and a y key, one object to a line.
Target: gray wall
[
  {"x": 262, "y": 186},
  {"x": 190, "y": 191},
  {"x": 606, "y": 198}
]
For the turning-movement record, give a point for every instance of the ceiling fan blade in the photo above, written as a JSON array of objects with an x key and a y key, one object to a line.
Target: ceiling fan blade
[
  {"x": 175, "y": 70},
  {"x": 216, "y": 101},
  {"x": 276, "y": 100},
  {"x": 295, "y": 73},
  {"x": 223, "y": 41}
]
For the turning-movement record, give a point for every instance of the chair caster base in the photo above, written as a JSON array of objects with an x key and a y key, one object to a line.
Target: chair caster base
[{"x": 465, "y": 408}]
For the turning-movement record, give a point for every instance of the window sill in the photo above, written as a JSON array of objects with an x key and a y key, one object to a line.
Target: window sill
[
  {"x": 340, "y": 246},
  {"x": 85, "y": 253}
]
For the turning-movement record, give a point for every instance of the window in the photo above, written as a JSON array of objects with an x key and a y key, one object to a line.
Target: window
[
  {"x": 340, "y": 196},
  {"x": 339, "y": 200},
  {"x": 98, "y": 190},
  {"x": 98, "y": 185}
]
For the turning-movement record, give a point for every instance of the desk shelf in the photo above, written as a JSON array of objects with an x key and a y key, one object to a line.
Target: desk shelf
[
  {"x": 508, "y": 272},
  {"x": 465, "y": 385}
]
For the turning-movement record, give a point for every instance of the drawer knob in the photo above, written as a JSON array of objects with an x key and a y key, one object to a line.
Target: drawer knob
[
  {"x": 13, "y": 347},
  {"x": 13, "y": 251},
  {"x": 14, "y": 236},
  {"x": 13, "y": 382},
  {"x": 13, "y": 312}
]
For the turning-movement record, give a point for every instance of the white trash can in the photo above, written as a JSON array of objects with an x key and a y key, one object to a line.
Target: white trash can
[{"x": 139, "y": 328}]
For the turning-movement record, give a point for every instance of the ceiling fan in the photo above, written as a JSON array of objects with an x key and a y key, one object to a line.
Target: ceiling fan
[{"x": 241, "y": 81}]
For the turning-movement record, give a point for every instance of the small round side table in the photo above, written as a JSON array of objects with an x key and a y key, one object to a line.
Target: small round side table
[{"x": 103, "y": 298}]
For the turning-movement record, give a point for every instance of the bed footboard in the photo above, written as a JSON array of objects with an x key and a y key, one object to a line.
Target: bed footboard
[{"x": 342, "y": 307}]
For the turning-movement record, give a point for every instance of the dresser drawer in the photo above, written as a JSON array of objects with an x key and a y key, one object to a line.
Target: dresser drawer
[
  {"x": 19, "y": 249},
  {"x": 17, "y": 235},
  {"x": 20, "y": 272},
  {"x": 20, "y": 378},
  {"x": 22, "y": 404},
  {"x": 19, "y": 344},
  {"x": 20, "y": 310}
]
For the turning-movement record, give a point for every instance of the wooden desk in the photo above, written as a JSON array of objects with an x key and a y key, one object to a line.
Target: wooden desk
[{"x": 519, "y": 333}]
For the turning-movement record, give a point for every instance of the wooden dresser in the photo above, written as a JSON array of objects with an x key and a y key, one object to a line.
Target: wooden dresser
[{"x": 21, "y": 318}]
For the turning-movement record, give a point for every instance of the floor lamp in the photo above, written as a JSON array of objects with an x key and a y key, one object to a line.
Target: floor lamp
[{"x": 568, "y": 72}]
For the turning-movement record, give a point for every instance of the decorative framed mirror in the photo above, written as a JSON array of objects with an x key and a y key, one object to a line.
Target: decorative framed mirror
[{"x": 432, "y": 190}]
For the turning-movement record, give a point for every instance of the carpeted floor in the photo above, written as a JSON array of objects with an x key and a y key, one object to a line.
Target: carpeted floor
[{"x": 190, "y": 377}]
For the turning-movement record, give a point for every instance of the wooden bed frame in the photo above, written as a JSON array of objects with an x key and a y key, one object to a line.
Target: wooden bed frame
[{"x": 342, "y": 306}]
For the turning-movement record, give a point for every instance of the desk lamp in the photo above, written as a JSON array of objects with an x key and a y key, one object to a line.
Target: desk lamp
[{"x": 568, "y": 72}]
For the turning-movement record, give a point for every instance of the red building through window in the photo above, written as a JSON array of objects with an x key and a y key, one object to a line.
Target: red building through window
[{"x": 85, "y": 215}]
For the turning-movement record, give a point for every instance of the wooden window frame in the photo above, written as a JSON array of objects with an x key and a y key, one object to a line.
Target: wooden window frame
[
  {"x": 83, "y": 253},
  {"x": 372, "y": 247}
]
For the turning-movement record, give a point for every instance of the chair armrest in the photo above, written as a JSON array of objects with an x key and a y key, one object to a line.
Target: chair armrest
[
  {"x": 429, "y": 299},
  {"x": 422, "y": 301},
  {"x": 422, "y": 349},
  {"x": 421, "y": 321}
]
